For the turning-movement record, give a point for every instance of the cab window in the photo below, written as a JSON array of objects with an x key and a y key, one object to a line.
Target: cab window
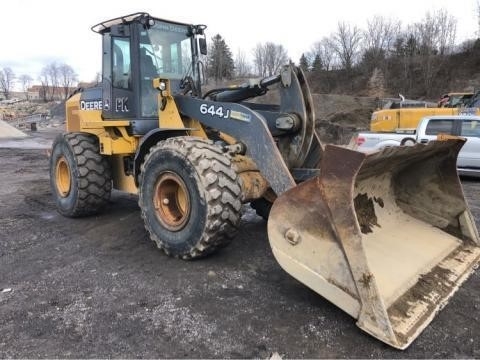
[
  {"x": 121, "y": 68},
  {"x": 471, "y": 128},
  {"x": 165, "y": 51},
  {"x": 435, "y": 127}
]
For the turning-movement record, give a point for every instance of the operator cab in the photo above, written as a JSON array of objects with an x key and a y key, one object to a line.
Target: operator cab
[{"x": 138, "y": 48}]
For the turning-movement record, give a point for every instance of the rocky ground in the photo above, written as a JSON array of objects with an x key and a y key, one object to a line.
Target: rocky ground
[{"x": 98, "y": 288}]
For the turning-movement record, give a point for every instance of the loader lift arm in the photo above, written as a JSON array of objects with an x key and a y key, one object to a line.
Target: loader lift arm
[{"x": 296, "y": 149}]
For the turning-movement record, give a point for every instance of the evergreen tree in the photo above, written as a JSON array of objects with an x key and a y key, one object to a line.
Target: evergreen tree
[
  {"x": 304, "y": 63},
  {"x": 317, "y": 63},
  {"x": 220, "y": 60}
]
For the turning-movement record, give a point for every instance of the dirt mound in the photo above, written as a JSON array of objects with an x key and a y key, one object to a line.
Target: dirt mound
[
  {"x": 8, "y": 131},
  {"x": 340, "y": 127},
  {"x": 24, "y": 109},
  {"x": 339, "y": 117},
  {"x": 358, "y": 118},
  {"x": 328, "y": 105}
]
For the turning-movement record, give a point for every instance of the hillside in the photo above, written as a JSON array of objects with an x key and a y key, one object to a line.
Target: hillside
[{"x": 416, "y": 76}]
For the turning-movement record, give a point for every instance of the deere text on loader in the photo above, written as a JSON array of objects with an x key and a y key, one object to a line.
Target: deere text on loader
[{"x": 387, "y": 237}]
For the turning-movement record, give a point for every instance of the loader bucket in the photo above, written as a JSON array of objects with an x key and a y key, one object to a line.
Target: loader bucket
[{"x": 386, "y": 236}]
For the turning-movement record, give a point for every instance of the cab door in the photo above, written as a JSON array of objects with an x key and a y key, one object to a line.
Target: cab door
[
  {"x": 469, "y": 156},
  {"x": 118, "y": 92}
]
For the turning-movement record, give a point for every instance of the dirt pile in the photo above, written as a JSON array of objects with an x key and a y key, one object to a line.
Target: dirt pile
[
  {"x": 28, "y": 108},
  {"x": 339, "y": 117},
  {"x": 8, "y": 131}
]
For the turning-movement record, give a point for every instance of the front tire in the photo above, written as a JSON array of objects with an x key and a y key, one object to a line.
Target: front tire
[
  {"x": 189, "y": 197},
  {"x": 80, "y": 177}
]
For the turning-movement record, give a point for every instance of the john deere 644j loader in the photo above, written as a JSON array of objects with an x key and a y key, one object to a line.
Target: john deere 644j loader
[{"x": 387, "y": 237}]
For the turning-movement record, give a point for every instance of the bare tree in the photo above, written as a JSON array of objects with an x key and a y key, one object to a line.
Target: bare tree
[
  {"x": 268, "y": 58},
  {"x": 242, "y": 68},
  {"x": 67, "y": 78},
  {"x": 323, "y": 58},
  {"x": 53, "y": 77},
  {"x": 7, "y": 78},
  {"x": 379, "y": 38},
  {"x": 381, "y": 33},
  {"x": 26, "y": 82},
  {"x": 324, "y": 51},
  {"x": 54, "y": 73},
  {"x": 447, "y": 26},
  {"x": 276, "y": 56},
  {"x": 436, "y": 37},
  {"x": 98, "y": 78},
  {"x": 45, "y": 84},
  {"x": 346, "y": 42},
  {"x": 259, "y": 60},
  {"x": 437, "y": 32}
]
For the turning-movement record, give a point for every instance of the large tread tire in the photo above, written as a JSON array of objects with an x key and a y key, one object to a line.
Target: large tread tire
[
  {"x": 213, "y": 190},
  {"x": 90, "y": 176}
]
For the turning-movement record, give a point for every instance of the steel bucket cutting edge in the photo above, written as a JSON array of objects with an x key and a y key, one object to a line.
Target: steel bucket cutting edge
[{"x": 388, "y": 237}]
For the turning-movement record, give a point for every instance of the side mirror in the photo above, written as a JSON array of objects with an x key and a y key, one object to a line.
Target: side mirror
[{"x": 202, "y": 43}]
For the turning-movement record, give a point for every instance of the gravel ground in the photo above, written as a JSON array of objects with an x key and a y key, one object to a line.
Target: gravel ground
[{"x": 98, "y": 288}]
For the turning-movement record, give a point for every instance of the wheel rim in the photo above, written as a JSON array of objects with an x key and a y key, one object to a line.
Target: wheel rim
[
  {"x": 171, "y": 201},
  {"x": 62, "y": 177}
]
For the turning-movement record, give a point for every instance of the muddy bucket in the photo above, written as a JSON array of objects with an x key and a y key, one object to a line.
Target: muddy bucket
[{"x": 387, "y": 236}]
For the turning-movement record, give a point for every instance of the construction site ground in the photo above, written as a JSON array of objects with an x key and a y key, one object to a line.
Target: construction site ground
[{"x": 97, "y": 287}]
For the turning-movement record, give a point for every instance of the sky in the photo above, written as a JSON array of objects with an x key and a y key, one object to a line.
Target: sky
[{"x": 35, "y": 33}]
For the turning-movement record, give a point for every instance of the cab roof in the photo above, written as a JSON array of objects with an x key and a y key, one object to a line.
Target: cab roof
[{"x": 127, "y": 19}]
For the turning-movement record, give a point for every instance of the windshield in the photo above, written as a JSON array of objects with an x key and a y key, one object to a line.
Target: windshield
[{"x": 165, "y": 50}]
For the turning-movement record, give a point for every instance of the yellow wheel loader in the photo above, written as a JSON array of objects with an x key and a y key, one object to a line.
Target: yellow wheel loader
[{"x": 387, "y": 237}]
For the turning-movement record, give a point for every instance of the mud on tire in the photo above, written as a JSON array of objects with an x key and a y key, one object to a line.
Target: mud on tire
[
  {"x": 80, "y": 177},
  {"x": 189, "y": 197}
]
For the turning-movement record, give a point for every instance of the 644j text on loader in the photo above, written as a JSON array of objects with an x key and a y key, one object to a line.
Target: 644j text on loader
[{"x": 387, "y": 237}]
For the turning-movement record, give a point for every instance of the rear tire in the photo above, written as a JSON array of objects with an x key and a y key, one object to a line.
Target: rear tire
[
  {"x": 189, "y": 197},
  {"x": 408, "y": 142},
  {"x": 80, "y": 177}
]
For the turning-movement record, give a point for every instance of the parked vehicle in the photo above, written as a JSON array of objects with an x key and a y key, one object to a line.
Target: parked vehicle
[
  {"x": 406, "y": 114},
  {"x": 466, "y": 126},
  {"x": 468, "y": 162},
  {"x": 455, "y": 99},
  {"x": 373, "y": 141}
]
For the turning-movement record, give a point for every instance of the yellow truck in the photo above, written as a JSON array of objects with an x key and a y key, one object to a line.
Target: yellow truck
[{"x": 406, "y": 114}]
